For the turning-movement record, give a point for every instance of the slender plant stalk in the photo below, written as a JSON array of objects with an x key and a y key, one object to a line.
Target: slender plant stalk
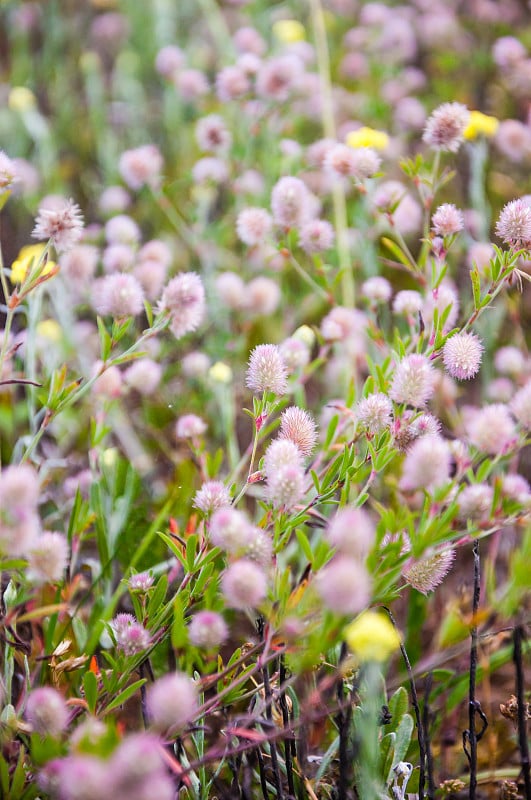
[
  {"x": 285, "y": 718},
  {"x": 471, "y": 734},
  {"x": 329, "y": 127},
  {"x": 343, "y": 720},
  {"x": 427, "y": 740},
  {"x": 523, "y": 744}
]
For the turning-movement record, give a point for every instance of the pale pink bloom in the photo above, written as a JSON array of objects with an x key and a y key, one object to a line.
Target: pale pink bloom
[
  {"x": 144, "y": 375},
  {"x": 248, "y": 40},
  {"x": 62, "y": 225},
  {"x": 47, "y": 712},
  {"x": 426, "y": 573},
  {"x": 507, "y": 51},
  {"x": 211, "y": 496},
  {"x": 231, "y": 290},
  {"x": 521, "y": 406},
  {"x": 516, "y": 488},
  {"x": 8, "y": 173},
  {"x": 365, "y": 163},
  {"x": 141, "y": 582},
  {"x": 285, "y": 485},
  {"x": 232, "y": 83},
  {"x": 212, "y": 134},
  {"x": 119, "y": 295},
  {"x": 19, "y": 522},
  {"x": 344, "y": 585},
  {"x": 298, "y": 426},
  {"x": 295, "y": 353},
  {"x": 513, "y": 139},
  {"x": 172, "y": 703},
  {"x": 290, "y": 202},
  {"x": 210, "y": 170},
  {"x": 156, "y": 250},
  {"x": 377, "y": 289},
  {"x": 79, "y": 264},
  {"x": 244, "y": 585},
  {"x": 131, "y": 636},
  {"x": 48, "y": 558},
  {"x": 491, "y": 429},
  {"x": 426, "y": 465},
  {"x": 514, "y": 224},
  {"x": 279, "y": 78},
  {"x": 141, "y": 166},
  {"x": 259, "y": 547},
  {"x": 447, "y": 220},
  {"x": 267, "y": 370},
  {"x": 317, "y": 153},
  {"x": 317, "y": 236},
  {"x": 351, "y": 531},
  {"x": 340, "y": 160},
  {"x": 407, "y": 301},
  {"x": 475, "y": 502},
  {"x": 151, "y": 276},
  {"x": 510, "y": 360},
  {"x": 191, "y": 84},
  {"x": 114, "y": 200},
  {"x": 230, "y": 530},
  {"x": 374, "y": 412},
  {"x": 253, "y": 226},
  {"x": 446, "y": 126},
  {"x": 413, "y": 381},
  {"x": 462, "y": 355},
  {"x": 501, "y": 390},
  {"x": 343, "y": 323},
  {"x": 281, "y": 453},
  {"x": 118, "y": 257},
  {"x": 184, "y": 298},
  {"x": 480, "y": 254},
  {"x": 207, "y": 629},
  {"x": 195, "y": 364},
  {"x": 189, "y": 426},
  {"x": 122, "y": 229},
  {"x": 169, "y": 61},
  {"x": 109, "y": 383},
  {"x": 262, "y": 295}
]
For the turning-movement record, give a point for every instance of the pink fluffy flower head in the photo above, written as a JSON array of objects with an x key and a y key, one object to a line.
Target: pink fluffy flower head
[
  {"x": 230, "y": 530},
  {"x": 141, "y": 166},
  {"x": 344, "y": 585},
  {"x": 413, "y": 381},
  {"x": 514, "y": 224},
  {"x": 253, "y": 225},
  {"x": 290, "y": 202},
  {"x": 62, "y": 224},
  {"x": 267, "y": 370},
  {"x": 446, "y": 126},
  {"x": 447, "y": 220},
  {"x": 317, "y": 236},
  {"x": 211, "y": 496},
  {"x": 171, "y": 703},
  {"x": 426, "y": 573},
  {"x": 462, "y": 355},
  {"x": 244, "y": 584},
  {"x": 491, "y": 429},
  {"x": 521, "y": 406},
  {"x": 374, "y": 412},
  {"x": 426, "y": 465},
  {"x": 184, "y": 298},
  {"x": 299, "y": 427},
  {"x": 119, "y": 295},
  {"x": 48, "y": 558},
  {"x": 46, "y": 711},
  {"x": 131, "y": 636},
  {"x": 351, "y": 531},
  {"x": 208, "y": 630}
]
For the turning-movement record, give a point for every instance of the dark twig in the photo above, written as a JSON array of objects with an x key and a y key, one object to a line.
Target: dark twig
[
  {"x": 471, "y": 736},
  {"x": 285, "y": 718},
  {"x": 523, "y": 744},
  {"x": 426, "y": 721},
  {"x": 416, "y": 710},
  {"x": 343, "y": 719},
  {"x": 268, "y": 695}
]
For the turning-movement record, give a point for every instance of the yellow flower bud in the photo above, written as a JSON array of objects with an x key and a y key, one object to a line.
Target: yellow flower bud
[
  {"x": 26, "y": 260},
  {"x": 480, "y": 124},
  {"x": 220, "y": 372},
  {"x": 21, "y": 99},
  {"x": 289, "y": 31},
  {"x": 109, "y": 457},
  {"x": 305, "y": 335},
  {"x": 50, "y": 329},
  {"x": 372, "y": 637},
  {"x": 368, "y": 137}
]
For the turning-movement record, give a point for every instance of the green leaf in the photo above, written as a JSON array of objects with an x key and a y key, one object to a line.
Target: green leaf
[
  {"x": 124, "y": 696},
  {"x": 402, "y": 742},
  {"x": 476, "y": 287},
  {"x": 179, "y": 633},
  {"x": 90, "y": 686},
  {"x": 304, "y": 544},
  {"x": 398, "y": 253},
  {"x": 398, "y": 705},
  {"x": 157, "y": 598}
]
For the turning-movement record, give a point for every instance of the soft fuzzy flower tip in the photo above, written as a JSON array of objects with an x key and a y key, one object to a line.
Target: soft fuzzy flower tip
[
  {"x": 63, "y": 225},
  {"x": 462, "y": 355},
  {"x": 267, "y": 370}
]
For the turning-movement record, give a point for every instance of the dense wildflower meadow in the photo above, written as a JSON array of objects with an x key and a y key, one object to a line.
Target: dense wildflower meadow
[{"x": 265, "y": 399}]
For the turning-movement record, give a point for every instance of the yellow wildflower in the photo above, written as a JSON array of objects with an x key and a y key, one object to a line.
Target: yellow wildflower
[
  {"x": 289, "y": 31},
  {"x": 480, "y": 124},
  {"x": 26, "y": 261},
  {"x": 50, "y": 329},
  {"x": 368, "y": 137},
  {"x": 21, "y": 99},
  {"x": 372, "y": 637},
  {"x": 220, "y": 372}
]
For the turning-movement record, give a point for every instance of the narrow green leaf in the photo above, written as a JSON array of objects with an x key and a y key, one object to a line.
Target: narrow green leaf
[
  {"x": 124, "y": 696},
  {"x": 90, "y": 686}
]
